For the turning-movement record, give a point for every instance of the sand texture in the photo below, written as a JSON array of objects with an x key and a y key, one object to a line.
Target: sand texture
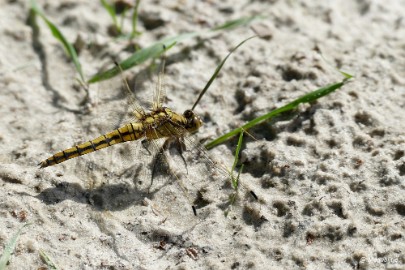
[{"x": 329, "y": 177}]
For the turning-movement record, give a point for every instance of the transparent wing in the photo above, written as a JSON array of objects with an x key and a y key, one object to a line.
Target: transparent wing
[
  {"x": 112, "y": 107},
  {"x": 211, "y": 178},
  {"x": 136, "y": 107},
  {"x": 126, "y": 161},
  {"x": 113, "y": 104},
  {"x": 184, "y": 161},
  {"x": 159, "y": 93}
]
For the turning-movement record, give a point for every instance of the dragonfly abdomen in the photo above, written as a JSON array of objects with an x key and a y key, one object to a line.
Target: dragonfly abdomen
[{"x": 129, "y": 132}]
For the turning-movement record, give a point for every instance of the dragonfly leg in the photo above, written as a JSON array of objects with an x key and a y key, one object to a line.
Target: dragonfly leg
[
  {"x": 156, "y": 158},
  {"x": 144, "y": 144},
  {"x": 181, "y": 147}
]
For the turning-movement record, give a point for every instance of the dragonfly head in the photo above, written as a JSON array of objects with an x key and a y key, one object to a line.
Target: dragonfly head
[{"x": 194, "y": 122}]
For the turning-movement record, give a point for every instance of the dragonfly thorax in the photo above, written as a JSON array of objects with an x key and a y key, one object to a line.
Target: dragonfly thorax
[{"x": 166, "y": 123}]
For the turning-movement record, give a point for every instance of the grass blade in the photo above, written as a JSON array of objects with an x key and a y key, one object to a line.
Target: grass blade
[
  {"x": 134, "y": 20},
  {"x": 217, "y": 71},
  {"x": 235, "y": 180},
  {"x": 70, "y": 50},
  {"x": 9, "y": 248},
  {"x": 51, "y": 265},
  {"x": 136, "y": 59},
  {"x": 236, "y": 23},
  {"x": 156, "y": 49},
  {"x": 314, "y": 95},
  {"x": 111, "y": 10}
]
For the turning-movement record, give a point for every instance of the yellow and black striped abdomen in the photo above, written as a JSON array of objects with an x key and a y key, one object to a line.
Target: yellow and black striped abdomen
[{"x": 129, "y": 132}]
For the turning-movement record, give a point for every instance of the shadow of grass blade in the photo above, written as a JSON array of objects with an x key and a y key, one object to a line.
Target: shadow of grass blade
[
  {"x": 156, "y": 49},
  {"x": 217, "y": 71},
  {"x": 314, "y": 95},
  {"x": 8, "y": 249},
  {"x": 70, "y": 50}
]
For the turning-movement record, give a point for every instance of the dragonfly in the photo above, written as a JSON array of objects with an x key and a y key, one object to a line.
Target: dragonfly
[{"x": 159, "y": 122}]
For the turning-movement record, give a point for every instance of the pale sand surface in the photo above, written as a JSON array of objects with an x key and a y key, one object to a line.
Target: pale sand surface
[{"x": 330, "y": 178}]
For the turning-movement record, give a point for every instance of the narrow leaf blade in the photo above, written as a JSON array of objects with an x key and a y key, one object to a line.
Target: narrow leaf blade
[
  {"x": 314, "y": 95},
  {"x": 9, "y": 248},
  {"x": 155, "y": 50},
  {"x": 70, "y": 50}
]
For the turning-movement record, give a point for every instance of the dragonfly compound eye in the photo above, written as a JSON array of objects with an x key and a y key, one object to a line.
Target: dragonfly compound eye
[
  {"x": 188, "y": 114},
  {"x": 193, "y": 121}
]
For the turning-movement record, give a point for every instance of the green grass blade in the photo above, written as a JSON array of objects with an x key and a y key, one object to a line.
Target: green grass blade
[
  {"x": 235, "y": 180},
  {"x": 141, "y": 56},
  {"x": 346, "y": 75},
  {"x": 136, "y": 59},
  {"x": 303, "y": 99},
  {"x": 51, "y": 265},
  {"x": 9, "y": 248},
  {"x": 110, "y": 10},
  {"x": 134, "y": 20},
  {"x": 236, "y": 23},
  {"x": 70, "y": 50},
  {"x": 217, "y": 71},
  {"x": 238, "y": 147},
  {"x": 156, "y": 50}
]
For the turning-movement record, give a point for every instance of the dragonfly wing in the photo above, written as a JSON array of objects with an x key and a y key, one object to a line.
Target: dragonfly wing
[
  {"x": 135, "y": 165},
  {"x": 159, "y": 94},
  {"x": 135, "y": 106},
  {"x": 192, "y": 168},
  {"x": 211, "y": 176}
]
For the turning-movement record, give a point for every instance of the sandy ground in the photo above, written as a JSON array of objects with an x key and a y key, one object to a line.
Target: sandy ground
[{"x": 329, "y": 178}]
